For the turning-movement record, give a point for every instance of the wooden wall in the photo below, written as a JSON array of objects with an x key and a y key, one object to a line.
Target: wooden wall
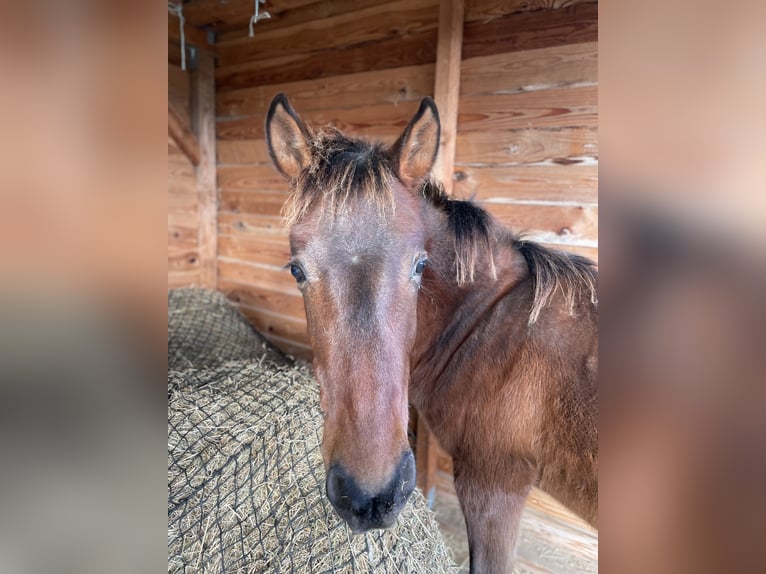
[
  {"x": 526, "y": 146},
  {"x": 183, "y": 204},
  {"x": 527, "y": 143}
]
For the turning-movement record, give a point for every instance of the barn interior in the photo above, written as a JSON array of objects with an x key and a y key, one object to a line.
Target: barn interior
[{"x": 516, "y": 84}]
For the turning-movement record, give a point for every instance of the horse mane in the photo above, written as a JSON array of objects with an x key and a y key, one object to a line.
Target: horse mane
[
  {"x": 474, "y": 232},
  {"x": 341, "y": 167},
  {"x": 552, "y": 270}
]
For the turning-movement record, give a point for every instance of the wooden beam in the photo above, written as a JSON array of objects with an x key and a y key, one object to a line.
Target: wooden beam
[
  {"x": 426, "y": 452},
  {"x": 183, "y": 137},
  {"x": 447, "y": 85},
  {"x": 203, "y": 119},
  {"x": 192, "y": 36}
]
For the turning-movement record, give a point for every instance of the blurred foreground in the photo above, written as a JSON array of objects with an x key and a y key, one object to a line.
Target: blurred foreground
[{"x": 83, "y": 469}]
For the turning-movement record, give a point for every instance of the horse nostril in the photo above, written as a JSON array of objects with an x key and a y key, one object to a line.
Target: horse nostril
[{"x": 364, "y": 511}]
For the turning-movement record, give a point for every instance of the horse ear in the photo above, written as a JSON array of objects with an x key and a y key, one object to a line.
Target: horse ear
[
  {"x": 287, "y": 137},
  {"x": 416, "y": 149}
]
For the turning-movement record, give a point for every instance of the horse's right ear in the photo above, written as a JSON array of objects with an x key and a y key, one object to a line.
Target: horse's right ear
[
  {"x": 287, "y": 137},
  {"x": 415, "y": 150}
]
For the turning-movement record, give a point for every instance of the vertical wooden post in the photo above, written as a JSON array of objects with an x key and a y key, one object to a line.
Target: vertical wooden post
[
  {"x": 447, "y": 95},
  {"x": 447, "y": 85},
  {"x": 426, "y": 453},
  {"x": 203, "y": 121}
]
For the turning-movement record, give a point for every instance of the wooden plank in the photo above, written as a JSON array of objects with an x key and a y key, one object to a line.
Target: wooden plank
[
  {"x": 530, "y": 30},
  {"x": 411, "y": 50},
  {"x": 391, "y": 20},
  {"x": 564, "y": 146},
  {"x": 378, "y": 121},
  {"x": 544, "y": 68},
  {"x": 277, "y": 325},
  {"x": 177, "y": 279},
  {"x": 222, "y": 13},
  {"x": 426, "y": 452},
  {"x": 255, "y": 249},
  {"x": 250, "y": 224},
  {"x": 182, "y": 237},
  {"x": 447, "y": 86},
  {"x": 553, "y": 224},
  {"x": 557, "y": 108},
  {"x": 486, "y": 10},
  {"x": 263, "y": 203},
  {"x": 293, "y": 16},
  {"x": 273, "y": 300},
  {"x": 291, "y": 348},
  {"x": 192, "y": 36},
  {"x": 183, "y": 137},
  {"x": 236, "y": 152},
  {"x": 552, "y": 183},
  {"x": 203, "y": 105},
  {"x": 184, "y": 261},
  {"x": 410, "y": 83},
  {"x": 261, "y": 178},
  {"x": 178, "y": 81}
]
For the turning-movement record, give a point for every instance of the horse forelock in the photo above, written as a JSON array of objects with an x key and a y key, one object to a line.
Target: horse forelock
[{"x": 341, "y": 169}]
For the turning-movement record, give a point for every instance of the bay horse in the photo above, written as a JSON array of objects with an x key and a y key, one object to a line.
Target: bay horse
[{"x": 412, "y": 296}]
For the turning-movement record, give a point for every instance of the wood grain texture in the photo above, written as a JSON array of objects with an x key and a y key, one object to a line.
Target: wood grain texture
[
  {"x": 258, "y": 202},
  {"x": 531, "y": 30},
  {"x": 277, "y": 325},
  {"x": 249, "y": 224},
  {"x": 530, "y": 70},
  {"x": 270, "y": 251},
  {"x": 391, "y": 20},
  {"x": 221, "y": 15},
  {"x": 447, "y": 87},
  {"x": 238, "y": 152},
  {"x": 193, "y": 36},
  {"x": 574, "y": 183},
  {"x": 555, "y": 108},
  {"x": 409, "y": 83},
  {"x": 178, "y": 279},
  {"x": 486, "y": 10},
  {"x": 183, "y": 137},
  {"x": 261, "y": 177},
  {"x": 411, "y": 50},
  {"x": 565, "y": 146},
  {"x": 562, "y": 225},
  {"x": 203, "y": 108},
  {"x": 273, "y": 300},
  {"x": 293, "y": 16},
  {"x": 382, "y": 121}
]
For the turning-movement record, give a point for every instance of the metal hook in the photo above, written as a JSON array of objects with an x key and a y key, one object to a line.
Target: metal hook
[{"x": 258, "y": 16}]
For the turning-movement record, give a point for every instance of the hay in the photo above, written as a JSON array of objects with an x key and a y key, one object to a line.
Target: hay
[
  {"x": 246, "y": 481},
  {"x": 204, "y": 330}
]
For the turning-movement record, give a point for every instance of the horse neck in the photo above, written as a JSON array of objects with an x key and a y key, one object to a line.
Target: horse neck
[{"x": 449, "y": 313}]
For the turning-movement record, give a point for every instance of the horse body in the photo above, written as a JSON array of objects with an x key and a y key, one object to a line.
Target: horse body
[
  {"x": 514, "y": 403},
  {"x": 413, "y": 296}
]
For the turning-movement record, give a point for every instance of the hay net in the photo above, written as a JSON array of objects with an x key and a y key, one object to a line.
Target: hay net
[
  {"x": 245, "y": 473},
  {"x": 204, "y": 330}
]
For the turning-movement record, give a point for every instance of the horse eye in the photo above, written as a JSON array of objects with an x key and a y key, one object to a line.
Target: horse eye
[
  {"x": 297, "y": 272},
  {"x": 420, "y": 266}
]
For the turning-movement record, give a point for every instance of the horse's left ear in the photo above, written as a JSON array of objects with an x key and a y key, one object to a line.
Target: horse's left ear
[{"x": 415, "y": 150}]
